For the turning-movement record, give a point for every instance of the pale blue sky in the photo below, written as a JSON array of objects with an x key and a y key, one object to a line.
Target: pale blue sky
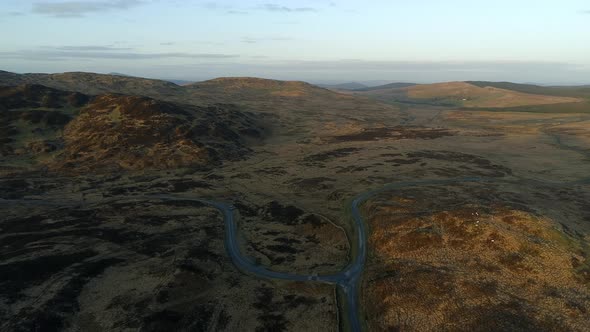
[{"x": 544, "y": 41}]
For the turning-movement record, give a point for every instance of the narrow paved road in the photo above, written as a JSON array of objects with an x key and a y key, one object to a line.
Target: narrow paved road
[{"x": 348, "y": 280}]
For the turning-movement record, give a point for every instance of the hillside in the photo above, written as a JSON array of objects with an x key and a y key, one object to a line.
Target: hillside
[
  {"x": 343, "y": 86},
  {"x": 288, "y": 107},
  {"x": 386, "y": 86},
  {"x": 562, "y": 91},
  {"x": 236, "y": 90},
  {"x": 296, "y": 108},
  {"x": 463, "y": 263},
  {"x": 473, "y": 96},
  {"x": 45, "y": 127},
  {"x": 463, "y": 94},
  {"x": 250, "y": 87},
  {"x": 93, "y": 84}
]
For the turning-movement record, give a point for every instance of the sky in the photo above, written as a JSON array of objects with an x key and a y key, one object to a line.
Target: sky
[{"x": 321, "y": 41}]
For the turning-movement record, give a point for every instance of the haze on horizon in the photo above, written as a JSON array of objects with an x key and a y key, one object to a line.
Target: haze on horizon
[{"x": 539, "y": 41}]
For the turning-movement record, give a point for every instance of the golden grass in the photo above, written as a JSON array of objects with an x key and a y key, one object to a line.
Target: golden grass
[
  {"x": 473, "y": 96},
  {"x": 469, "y": 270}
]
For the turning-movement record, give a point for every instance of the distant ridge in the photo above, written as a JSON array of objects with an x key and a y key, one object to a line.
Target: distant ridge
[
  {"x": 180, "y": 82},
  {"x": 465, "y": 94},
  {"x": 254, "y": 85},
  {"x": 218, "y": 90},
  {"x": 93, "y": 84},
  {"x": 561, "y": 91},
  {"x": 344, "y": 86},
  {"x": 387, "y": 86},
  {"x": 177, "y": 82},
  {"x": 260, "y": 93},
  {"x": 250, "y": 81},
  {"x": 119, "y": 74}
]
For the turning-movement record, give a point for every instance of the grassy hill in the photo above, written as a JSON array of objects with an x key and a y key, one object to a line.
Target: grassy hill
[
  {"x": 462, "y": 94},
  {"x": 562, "y": 91},
  {"x": 567, "y": 108},
  {"x": 470, "y": 95}
]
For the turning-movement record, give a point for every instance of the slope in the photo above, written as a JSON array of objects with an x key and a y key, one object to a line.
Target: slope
[
  {"x": 93, "y": 84},
  {"x": 463, "y": 94},
  {"x": 582, "y": 91},
  {"x": 65, "y": 131}
]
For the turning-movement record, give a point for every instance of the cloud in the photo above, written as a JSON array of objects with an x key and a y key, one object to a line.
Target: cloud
[
  {"x": 284, "y": 9},
  {"x": 269, "y": 7},
  {"x": 237, "y": 12},
  {"x": 57, "y": 54},
  {"x": 90, "y": 48},
  {"x": 15, "y": 14},
  {"x": 214, "y": 5},
  {"x": 81, "y": 8},
  {"x": 587, "y": 12},
  {"x": 254, "y": 40},
  {"x": 225, "y": 8}
]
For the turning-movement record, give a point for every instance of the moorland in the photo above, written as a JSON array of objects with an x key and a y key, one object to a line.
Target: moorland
[{"x": 474, "y": 199}]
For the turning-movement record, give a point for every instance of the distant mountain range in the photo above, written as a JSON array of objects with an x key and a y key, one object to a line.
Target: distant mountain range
[
  {"x": 484, "y": 95},
  {"x": 344, "y": 86},
  {"x": 387, "y": 86},
  {"x": 175, "y": 81},
  {"x": 257, "y": 92},
  {"x": 355, "y": 86},
  {"x": 71, "y": 121}
]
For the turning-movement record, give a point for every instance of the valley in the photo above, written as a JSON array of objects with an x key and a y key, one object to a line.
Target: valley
[{"x": 474, "y": 200}]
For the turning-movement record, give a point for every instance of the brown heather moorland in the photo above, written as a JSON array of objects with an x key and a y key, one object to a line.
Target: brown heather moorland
[
  {"x": 89, "y": 245},
  {"x": 473, "y": 267}
]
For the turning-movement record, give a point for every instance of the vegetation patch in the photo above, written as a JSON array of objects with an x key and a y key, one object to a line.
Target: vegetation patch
[
  {"x": 396, "y": 133},
  {"x": 329, "y": 155},
  {"x": 471, "y": 266}
]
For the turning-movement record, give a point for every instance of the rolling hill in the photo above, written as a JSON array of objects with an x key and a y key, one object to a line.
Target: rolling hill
[
  {"x": 285, "y": 107},
  {"x": 473, "y": 96},
  {"x": 93, "y": 84},
  {"x": 463, "y": 94},
  {"x": 582, "y": 91},
  {"x": 251, "y": 86},
  {"x": 69, "y": 131}
]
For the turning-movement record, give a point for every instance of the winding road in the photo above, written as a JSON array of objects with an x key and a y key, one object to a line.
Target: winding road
[{"x": 347, "y": 280}]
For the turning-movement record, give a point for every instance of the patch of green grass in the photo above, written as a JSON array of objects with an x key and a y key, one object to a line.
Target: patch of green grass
[
  {"x": 568, "y": 108},
  {"x": 115, "y": 115},
  {"x": 559, "y": 91},
  {"x": 584, "y": 269},
  {"x": 575, "y": 245},
  {"x": 27, "y": 133}
]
